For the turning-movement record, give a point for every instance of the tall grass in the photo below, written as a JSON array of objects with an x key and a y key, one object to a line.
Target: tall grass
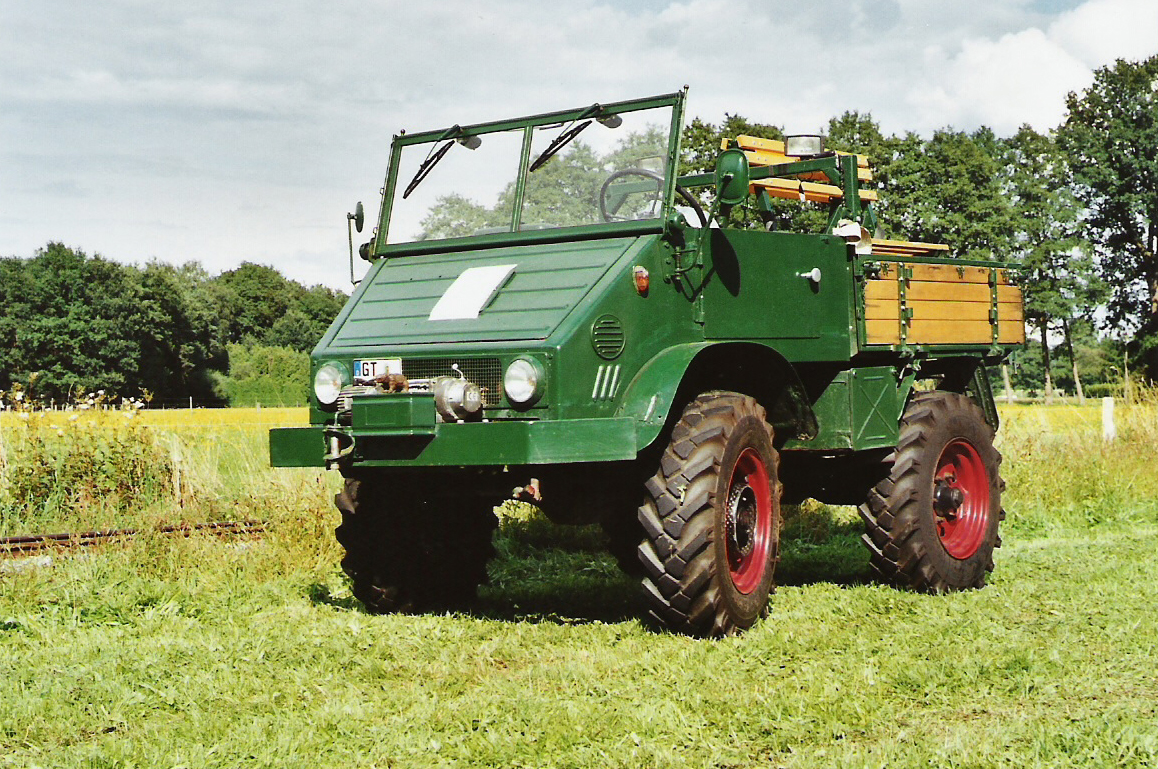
[
  {"x": 126, "y": 468},
  {"x": 86, "y": 470},
  {"x": 1062, "y": 475}
]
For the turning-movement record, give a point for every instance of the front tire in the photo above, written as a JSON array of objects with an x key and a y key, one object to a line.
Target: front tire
[
  {"x": 408, "y": 552},
  {"x": 712, "y": 519},
  {"x": 932, "y": 524}
]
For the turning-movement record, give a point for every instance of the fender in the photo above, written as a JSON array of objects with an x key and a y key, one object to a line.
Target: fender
[{"x": 679, "y": 373}]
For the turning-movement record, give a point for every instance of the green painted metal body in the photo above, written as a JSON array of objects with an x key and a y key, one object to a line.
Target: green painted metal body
[{"x": 723, "y": 308}]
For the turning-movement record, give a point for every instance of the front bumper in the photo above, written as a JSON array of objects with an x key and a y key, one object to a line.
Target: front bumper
[{"x": 401, "y": 430}]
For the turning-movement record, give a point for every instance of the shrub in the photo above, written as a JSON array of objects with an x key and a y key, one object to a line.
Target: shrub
[
  {"x": 1103, "y": 390},
  {"x": 269, "y": 376}
]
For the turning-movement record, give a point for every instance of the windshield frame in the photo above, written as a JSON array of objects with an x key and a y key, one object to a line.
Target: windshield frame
[{"x": 527, "y": 125}]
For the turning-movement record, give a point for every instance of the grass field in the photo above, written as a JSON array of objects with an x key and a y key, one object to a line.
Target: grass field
[{"x": 198, "y": 652}]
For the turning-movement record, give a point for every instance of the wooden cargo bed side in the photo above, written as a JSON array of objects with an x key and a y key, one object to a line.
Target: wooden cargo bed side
[{"x": 941, "y": 304}]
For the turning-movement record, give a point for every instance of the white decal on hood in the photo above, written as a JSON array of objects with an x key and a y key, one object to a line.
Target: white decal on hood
[{"x": 470, "y": 292}]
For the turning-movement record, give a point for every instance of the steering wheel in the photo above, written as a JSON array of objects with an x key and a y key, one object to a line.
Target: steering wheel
[{"x": 613, "y": 216}]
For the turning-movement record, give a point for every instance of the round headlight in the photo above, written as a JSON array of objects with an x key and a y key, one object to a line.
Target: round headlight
[
  {"x": 523, "y": 382},
  {"x": 328, "y": 383}
]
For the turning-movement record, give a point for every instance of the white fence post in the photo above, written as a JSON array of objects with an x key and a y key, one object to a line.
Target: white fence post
[{"x": 1109, "y": 429}]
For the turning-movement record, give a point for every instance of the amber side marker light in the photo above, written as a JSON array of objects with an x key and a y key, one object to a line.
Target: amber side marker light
[{"x": 642, "y": 280}]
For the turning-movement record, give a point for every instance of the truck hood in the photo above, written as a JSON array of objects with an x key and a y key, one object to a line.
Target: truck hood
[{"x": 508, "y": 294}]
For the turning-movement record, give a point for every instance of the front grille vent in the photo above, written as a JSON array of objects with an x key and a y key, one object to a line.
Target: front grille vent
[
  {"x": 487, "y": 373},
  {"x": 607, "y": 337},
  {"x": 420, "y": 374}
]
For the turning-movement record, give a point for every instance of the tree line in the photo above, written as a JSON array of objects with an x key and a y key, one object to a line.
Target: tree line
[
  {"x": 72, "y": 324},
  {"x": 1075, "y": 206}
]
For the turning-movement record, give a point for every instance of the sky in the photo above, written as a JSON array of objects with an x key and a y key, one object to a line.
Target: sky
[{"x": 220, "y": 131}]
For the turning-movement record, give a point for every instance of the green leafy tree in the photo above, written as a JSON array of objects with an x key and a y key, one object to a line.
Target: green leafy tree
[
  {"x": 562, "y": 192},
  {"x": 265, "y": 375},
  {"x": 1110, "y": 134},
  {"x": 70, "y": 322},
  {"x": 177, "y": 332},
  {"x": 258, "y": 295},
  {"x": 256, "y": 303},
  {"x": 947, "y": 190},
  {"x": 857, "y": 132},
  {"x": 456, "y": 216},
  {"x": 1057, "y": 272},
  {"x": 294, "y": 330}
]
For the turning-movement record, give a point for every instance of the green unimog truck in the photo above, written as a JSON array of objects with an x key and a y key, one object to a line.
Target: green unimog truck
[{"x": 551, "y": 308}]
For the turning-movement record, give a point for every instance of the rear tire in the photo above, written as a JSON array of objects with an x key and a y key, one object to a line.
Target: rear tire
[
  {"x": 712, "y": 519},
  {"x": 412, "y": 553},
  {"x": 932, "y": 524}
]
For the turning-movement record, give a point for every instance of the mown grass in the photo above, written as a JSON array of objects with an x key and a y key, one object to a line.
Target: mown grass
[{"x": 198, "y": 652}]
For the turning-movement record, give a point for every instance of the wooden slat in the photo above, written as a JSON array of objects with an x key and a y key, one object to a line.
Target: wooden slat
[
  {"x": 949, "y": 310},
  {"x": 882, "y": 309},
  {"x": 1009, "y": 295},
  {"x": 1010, "y": 312},
  {"x": 759, "y": 159},
  {"x": 813, "y": 192},
  {"x": 882, "y": 332},
  {"x": 882, "y": 289},
  {"x": 905, "y": 247},
  {"x": 949, "y": 332},
  {"x": 928, "y": 291},
  {"x": 950, "y": 273},
  {"x": 888, "y": 288},
  {"x": 774, "y": 145},
  {"x": 756, "y": 143},
  {"x": 1011, "y": 332},
  {"x": 944, "y": 332}
]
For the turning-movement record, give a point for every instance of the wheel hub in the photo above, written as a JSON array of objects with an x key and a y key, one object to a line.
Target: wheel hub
[
  {"x": 947, "y": 499},
  {"x": 742, "y": 514}
]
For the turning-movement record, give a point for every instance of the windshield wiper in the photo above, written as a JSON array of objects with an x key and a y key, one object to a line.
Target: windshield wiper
[
  {"x": 432, "y": 158},
  {"x": 558, "y": 143},
  {"x": 594, "y": 112}
]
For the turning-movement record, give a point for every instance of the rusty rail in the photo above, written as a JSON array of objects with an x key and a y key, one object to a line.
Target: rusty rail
[{"x": 35, "y": 543}]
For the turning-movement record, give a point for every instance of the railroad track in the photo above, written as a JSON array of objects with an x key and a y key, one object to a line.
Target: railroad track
[{"x": 37, "y": 543}]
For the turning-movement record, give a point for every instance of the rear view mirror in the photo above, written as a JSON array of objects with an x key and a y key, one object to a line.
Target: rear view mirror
[
  {"x": 359, "y": 216},
  {"x": 732, "y": 178}
]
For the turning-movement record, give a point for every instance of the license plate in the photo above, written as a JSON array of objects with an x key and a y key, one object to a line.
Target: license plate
[{"x": 366, "y": 371}]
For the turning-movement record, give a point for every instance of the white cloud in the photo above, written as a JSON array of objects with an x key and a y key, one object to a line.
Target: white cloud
[
  {"x": 1024, "y": 76},
  {"x": 1102, "y": 31},
  {"x": 1020, "y": 78}
]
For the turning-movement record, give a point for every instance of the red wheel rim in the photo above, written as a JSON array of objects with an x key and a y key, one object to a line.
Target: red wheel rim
[
  {"x": 749, "y": 521},
  {"x": 961, "y": 499}
]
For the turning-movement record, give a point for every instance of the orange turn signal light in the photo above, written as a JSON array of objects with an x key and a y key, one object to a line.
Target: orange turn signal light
[{"x": 642, "y": 280}]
